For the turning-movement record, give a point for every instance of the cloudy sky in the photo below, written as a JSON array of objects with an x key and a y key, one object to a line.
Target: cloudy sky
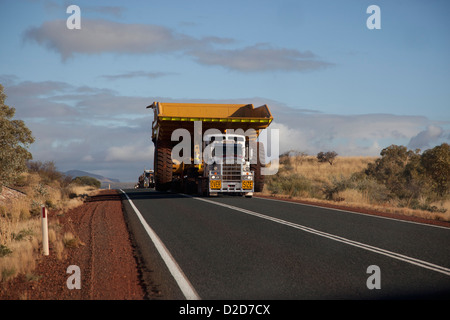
[{"x": 330, "y": 81}]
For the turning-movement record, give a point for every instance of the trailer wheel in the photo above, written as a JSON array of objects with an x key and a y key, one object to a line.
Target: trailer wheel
[
  {"x": 163, "y": 167},
  {"x": 256, "y": 168}
]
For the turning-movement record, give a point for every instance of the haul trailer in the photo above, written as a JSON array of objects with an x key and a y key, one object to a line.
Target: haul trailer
[{"x": 219, "y": 161}]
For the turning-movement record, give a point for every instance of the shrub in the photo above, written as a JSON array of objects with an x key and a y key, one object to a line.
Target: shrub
[
  {"x": 46, "y": 170},
  {"x": 337, "y": 185},
  {"x": 375, "y": 192},
  {"x": 436, "y": 163},
  {"x": 409, "y": 175},
  {"x": 87, "y": 181},
  {"x": 24, "y": 234},
  {"x": 292, "y": 185},
  {"x": 4, "y": 250}
]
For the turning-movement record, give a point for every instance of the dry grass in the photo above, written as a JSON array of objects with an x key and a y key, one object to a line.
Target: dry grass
[
  {"x": 355, "y": 198},
  {"x": 310, "y": 168},
  {"x": 20, "y": 223},
  {"x": 20, "y": 241},
  {"x": 71, "y": 241}
]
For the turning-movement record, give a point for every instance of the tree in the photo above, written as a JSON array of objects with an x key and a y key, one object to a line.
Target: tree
[
  {"x": 48, "y": 172},
  {"x": 15, "y": 139},
  {"x": 328, "y": 156},
  {"x": 399, "y": 170},
  {"x": 436, "y": 162}
]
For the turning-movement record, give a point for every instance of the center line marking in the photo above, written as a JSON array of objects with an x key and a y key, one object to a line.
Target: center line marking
[{"x": 394, "y": 255}]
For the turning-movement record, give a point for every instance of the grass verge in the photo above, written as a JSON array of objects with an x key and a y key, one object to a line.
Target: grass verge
[{"x": 20, "y": 223}]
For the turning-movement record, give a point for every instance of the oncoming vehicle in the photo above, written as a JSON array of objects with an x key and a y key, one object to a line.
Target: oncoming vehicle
[{"x": 146, "y": 179}]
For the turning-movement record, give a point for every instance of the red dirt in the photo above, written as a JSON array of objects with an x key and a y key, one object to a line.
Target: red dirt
[{"x": 108, "y": 265}]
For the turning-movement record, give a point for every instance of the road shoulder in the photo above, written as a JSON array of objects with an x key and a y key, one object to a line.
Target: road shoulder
[{"x": 104, "y": 253}]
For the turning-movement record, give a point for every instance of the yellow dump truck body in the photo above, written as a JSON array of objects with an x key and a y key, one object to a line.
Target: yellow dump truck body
[{"x": 171, "y": 116}]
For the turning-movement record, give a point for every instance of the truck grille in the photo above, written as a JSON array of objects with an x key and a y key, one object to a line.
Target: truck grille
[{"x": 231, "y": 172}]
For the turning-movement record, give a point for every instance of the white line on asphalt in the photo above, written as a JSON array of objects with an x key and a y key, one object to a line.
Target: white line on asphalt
[
  {"x": 414, "y": 261},
  {"x": 178, "y": 274},
  {"x": 360, "y": 213}
]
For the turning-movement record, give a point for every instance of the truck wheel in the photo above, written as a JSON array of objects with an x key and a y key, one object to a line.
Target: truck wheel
[
  {"x": 256, "y": 168},
  {"x": 163, "y": 170}
]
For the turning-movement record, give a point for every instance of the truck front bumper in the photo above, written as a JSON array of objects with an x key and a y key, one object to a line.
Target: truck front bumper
[{"x": 231, "y": 186}]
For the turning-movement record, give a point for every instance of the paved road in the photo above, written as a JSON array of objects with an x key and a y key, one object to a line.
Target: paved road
[{"x": 237, "y": 248}]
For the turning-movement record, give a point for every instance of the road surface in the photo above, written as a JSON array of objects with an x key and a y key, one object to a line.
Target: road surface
[{"x": 237, "y": 248}]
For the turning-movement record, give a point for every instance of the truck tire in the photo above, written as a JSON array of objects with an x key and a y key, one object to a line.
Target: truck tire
[
  {"x": 256, "y": 168},
  {"x": 163, "y": 167}
]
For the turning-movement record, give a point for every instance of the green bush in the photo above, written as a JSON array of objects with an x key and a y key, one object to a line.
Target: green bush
[
  {"x": 376, "y": 192},
  {"x": 292, "y": 185},
  {"x": 409, "y": 175},
  {"x": 337, "y": 185},
  {"x": 436, "y": 164}
]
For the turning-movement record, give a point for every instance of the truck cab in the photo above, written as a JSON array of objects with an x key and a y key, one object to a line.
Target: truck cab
[{"x": 227, "y": 164}]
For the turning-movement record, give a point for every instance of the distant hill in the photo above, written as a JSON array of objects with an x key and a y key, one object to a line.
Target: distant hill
[{"x": 79, "y": 173}]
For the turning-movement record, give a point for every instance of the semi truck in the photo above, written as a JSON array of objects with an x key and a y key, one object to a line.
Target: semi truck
[{"x": 209, "y": 149}]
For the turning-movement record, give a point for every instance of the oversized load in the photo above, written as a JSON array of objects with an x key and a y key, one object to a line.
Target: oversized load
[{"x": 220, "y": 153}]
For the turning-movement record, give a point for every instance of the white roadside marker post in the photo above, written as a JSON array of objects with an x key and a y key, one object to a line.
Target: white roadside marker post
[{"x": 44, "y": 214}]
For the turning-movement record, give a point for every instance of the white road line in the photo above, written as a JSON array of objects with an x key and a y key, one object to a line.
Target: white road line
[
  {"x": 359, "y": 213},
  {"x": 414, "y": 261},
  {"x": 178, "y": 274}
]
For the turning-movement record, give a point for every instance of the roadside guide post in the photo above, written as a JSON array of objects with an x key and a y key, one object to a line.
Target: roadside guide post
[{"x": 44, "y": 214}]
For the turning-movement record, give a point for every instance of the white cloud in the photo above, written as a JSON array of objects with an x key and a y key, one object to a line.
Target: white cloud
[
  {"x": 99, "y": 36},
  {"x": 261, "y": 57},
  {"x": 128, "y": 153},
  {"x": 290, "y": 138},
  {"x": 87, "y": 158},
  {"x": 365, "y": 134},
  {"x": 103, "y": 36},
  {"x": 426, "y": 137}
]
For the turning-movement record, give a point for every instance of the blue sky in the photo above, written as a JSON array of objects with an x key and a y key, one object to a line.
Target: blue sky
[{"x": 331, "y": 83}]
